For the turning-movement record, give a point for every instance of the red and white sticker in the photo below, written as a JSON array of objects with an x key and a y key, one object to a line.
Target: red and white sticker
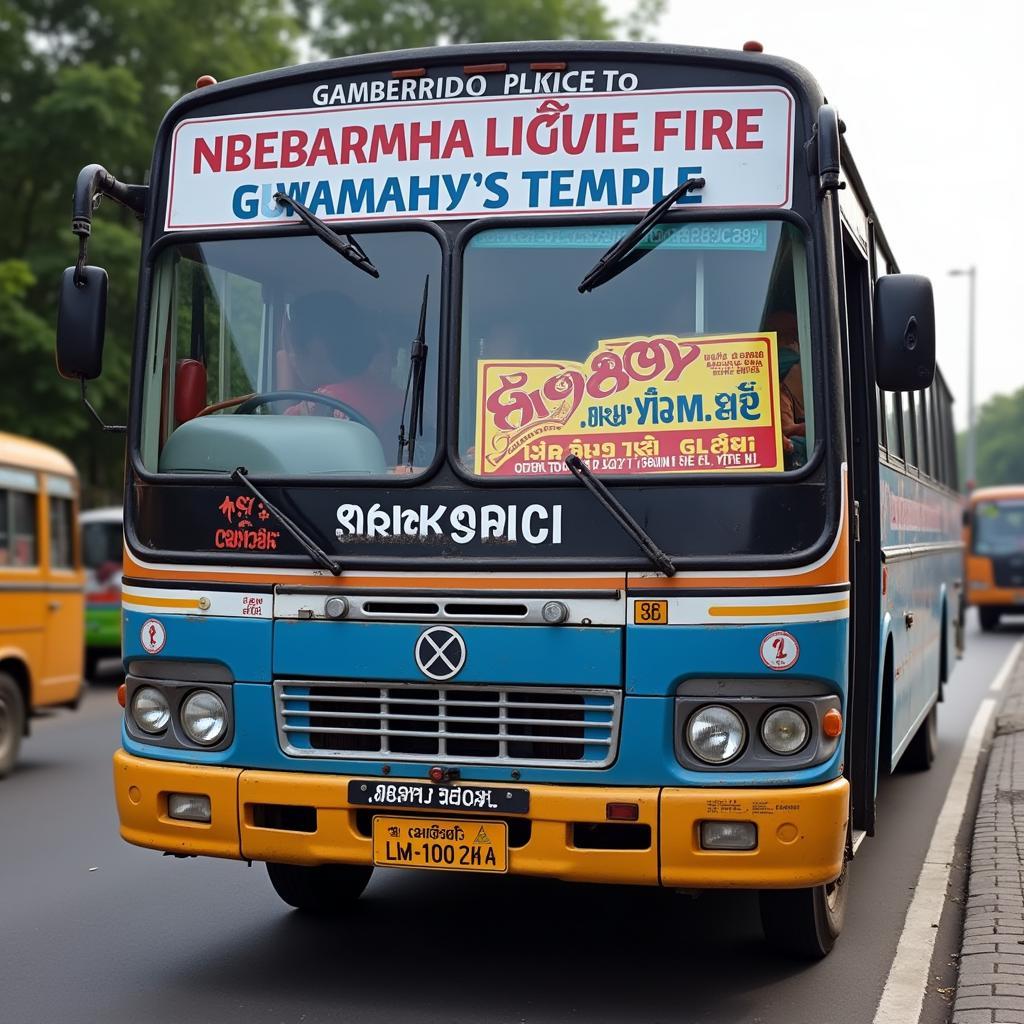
[
  {"x": 779, "y": 650},
  {"x": 153, "y": 636}
]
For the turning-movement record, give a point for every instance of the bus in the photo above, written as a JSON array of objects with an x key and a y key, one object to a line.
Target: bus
[
  {"x": 994, "y": 542},
  {"x": 536, "y": 465},
  {"x": 41, "y": 586},
  {"x": 102, "y": 551}
]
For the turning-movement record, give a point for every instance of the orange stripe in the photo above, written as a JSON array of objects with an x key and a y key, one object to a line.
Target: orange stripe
[
  {"x": 771, "y": 610},
  {"x": 162, "y": 602}
]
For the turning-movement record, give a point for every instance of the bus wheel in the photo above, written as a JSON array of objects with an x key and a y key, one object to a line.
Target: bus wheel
[
  {"x": 989, "y": 618},
  {"x": 804, "y": 922},
  {"x": 920, "y": 752},
  {"x": 12, "y": 722},
  {"x": 325, "y": 889}
]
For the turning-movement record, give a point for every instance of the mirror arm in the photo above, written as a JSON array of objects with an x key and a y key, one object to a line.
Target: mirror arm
[
  {"x": 108, "y": 428},
  {"x": 828, "y": 129},
  {"x": 94, "y": 182}
]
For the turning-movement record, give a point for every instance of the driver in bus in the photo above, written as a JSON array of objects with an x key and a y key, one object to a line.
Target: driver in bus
[
  {"x": 329, "y": 358},
  {"x": 791, "y": 388}
]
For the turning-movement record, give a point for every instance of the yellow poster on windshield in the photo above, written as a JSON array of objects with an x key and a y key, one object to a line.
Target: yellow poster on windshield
[{"x": 659, "y": 404}]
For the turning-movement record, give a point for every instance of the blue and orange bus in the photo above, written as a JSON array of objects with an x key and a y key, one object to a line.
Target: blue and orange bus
[{"x": 536, "y": 464}]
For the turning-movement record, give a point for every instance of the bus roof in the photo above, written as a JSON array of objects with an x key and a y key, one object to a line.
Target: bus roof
[
  {"x": 997, "y": 493},
  {"x": 107, "y": 514},
  {"x": 28, "y": 454}
]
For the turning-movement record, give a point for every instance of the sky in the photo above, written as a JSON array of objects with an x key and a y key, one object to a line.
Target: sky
[{"x": 930, "y": 93}]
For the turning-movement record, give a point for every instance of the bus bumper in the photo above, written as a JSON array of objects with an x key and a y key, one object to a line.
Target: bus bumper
[{"x": 801, "y": 832}]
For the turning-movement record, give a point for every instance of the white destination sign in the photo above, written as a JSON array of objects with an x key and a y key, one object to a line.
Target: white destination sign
[{"x": 487, "y": 156}]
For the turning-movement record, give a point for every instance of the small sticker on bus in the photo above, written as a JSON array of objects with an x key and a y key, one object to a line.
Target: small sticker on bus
[{"x": 780, "y": 650}]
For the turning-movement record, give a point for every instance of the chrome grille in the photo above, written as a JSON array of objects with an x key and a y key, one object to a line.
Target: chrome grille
[{"x": 543, "y": 725}]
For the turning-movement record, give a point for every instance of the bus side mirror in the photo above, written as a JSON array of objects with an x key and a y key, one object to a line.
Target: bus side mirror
[
  {"x": 81, "y": 323},
  {"x": 904, "y": 332}
]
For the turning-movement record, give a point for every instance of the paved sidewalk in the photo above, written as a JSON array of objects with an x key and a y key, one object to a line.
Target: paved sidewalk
[{"x": 990, "y": 988}]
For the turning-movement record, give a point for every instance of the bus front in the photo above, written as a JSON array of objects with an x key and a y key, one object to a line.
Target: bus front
[
  {"x": 995, "y": 552},
  {"x": 465, "y": 531}
]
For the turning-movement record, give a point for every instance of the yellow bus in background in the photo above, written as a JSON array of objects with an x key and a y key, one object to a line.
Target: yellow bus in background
[
  {"x": 42, "y": 615},
  {"x": 994, "y": 546}
]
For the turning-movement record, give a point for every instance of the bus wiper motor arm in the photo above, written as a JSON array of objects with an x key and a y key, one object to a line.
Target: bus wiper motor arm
[
  {"x": 309, "y": 545},
  {"x": 347, "y": 247},
  {"x": 620, "y": 514},
  {"x": 613, "y": 262}
]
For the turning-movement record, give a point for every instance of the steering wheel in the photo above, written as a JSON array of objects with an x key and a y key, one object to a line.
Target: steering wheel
[{"x": 255, "y": 401}]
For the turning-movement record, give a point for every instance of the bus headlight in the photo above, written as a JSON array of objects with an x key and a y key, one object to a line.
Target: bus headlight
[
  {"x": 785, "y": 731},
  {"x": 204, "y": 717},
  {"x": 716, "y": 734},
  {"x": 150, "y": 710}
]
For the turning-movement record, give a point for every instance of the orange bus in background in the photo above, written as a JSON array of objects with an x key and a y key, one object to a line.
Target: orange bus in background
[
  {"x": 994, "y": 546},
  {"x": 42, "y": 614}
]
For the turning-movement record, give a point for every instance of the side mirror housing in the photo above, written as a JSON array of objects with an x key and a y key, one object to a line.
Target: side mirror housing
[
  {"x": 904, "y": 332},
  {"x": 81, "y": 323}
]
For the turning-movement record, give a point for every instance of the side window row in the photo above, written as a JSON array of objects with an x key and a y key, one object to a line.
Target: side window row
[
  {"x": 917, "y": 428},
  {"x": 19, "y": 530}
]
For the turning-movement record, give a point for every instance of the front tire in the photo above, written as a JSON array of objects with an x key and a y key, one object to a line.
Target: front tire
[
  {"x": 12, "y": 723},
  {"x": 989, "y": 618},
  {"x": 327, "y": 889},
  {"x": 920, "y": 752},
  {"x": 805, "y": 922}
]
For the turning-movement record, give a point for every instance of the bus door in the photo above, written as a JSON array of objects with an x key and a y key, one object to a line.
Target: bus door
[{"x": 865, "y": 570}]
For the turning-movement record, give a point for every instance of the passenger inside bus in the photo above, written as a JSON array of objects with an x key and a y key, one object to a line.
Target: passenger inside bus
[
  {"x": 336, "y": 354},
  {"x": 791, "y": 388}
]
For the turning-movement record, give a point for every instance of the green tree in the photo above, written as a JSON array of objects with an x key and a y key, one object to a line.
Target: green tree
[{"x": 999, "y": 453}]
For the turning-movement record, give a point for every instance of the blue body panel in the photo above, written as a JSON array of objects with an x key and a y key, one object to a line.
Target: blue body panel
[
  {"x": 568, "y": 655},
  {"x": 657, "y": 659}
]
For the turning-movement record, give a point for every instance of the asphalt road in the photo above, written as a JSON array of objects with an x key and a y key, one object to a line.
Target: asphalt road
[{"x": 93, "y": 930}]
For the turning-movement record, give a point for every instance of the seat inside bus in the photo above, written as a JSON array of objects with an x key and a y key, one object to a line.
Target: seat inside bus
[{"x": 273, "y": 446}]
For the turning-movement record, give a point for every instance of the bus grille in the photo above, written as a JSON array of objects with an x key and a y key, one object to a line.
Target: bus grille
[
  {"x": 1008, "y": 571},
  {"x": 465, "y": 724}
]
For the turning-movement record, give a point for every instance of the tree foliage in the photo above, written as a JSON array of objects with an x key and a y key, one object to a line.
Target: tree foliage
[
  {"x": 999, "y": 450},
  {"x": 88, "y": 81}
]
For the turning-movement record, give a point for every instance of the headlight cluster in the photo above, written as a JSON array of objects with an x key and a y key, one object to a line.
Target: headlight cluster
[
  {"x": 716, "y": 734},
  {"x": 202, "y": 715}
]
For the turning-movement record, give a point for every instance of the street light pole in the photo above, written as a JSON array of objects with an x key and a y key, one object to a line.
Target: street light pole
[{"x": 970, "y": 448}]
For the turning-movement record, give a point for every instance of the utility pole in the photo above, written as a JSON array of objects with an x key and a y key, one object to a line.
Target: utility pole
[{"x": 969, "y": 458}]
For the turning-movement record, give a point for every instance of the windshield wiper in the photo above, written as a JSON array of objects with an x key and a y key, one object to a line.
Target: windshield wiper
[
  {"x": 581, "y": 471},
  {"x": 613, "y": 262},
  {"x": 414, "y": 385},
  {"x": 311, "y": 547},
  {"x": 349, "y": 248}
]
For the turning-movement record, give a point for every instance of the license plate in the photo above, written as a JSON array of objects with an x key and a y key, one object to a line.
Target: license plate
[
  {"x": 444, "y": 845},
  {"x": 374, "y": 793}
]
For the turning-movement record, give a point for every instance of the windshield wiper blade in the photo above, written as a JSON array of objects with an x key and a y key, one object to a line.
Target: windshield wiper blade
[
  {"x": 613, "y": 262},
  {"x": 618, "y": 512},
  {"x": 349, "y": 247},
  {"x": 414, "y": 385},
  {"x": 311, "y": 547}
]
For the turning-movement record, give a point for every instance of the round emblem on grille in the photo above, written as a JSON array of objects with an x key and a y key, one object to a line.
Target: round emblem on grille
[{"x": 440, "y": 652}]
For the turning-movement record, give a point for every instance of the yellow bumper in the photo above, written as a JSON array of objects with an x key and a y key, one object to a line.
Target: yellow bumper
[{"x": 801, "y": 832}]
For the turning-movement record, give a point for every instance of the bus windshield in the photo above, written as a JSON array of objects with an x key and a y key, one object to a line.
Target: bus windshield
[
  {"x": 999, "y": 527},
  {"x": 276, "y": 354},
  {"x": 696, "y": 357}
]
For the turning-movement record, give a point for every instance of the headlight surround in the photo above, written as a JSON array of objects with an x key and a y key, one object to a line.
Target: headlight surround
[
  {"x": 150, "y": 709},
  {"x": 716, "y": 734},
  {"x": 785, "y": 731},
  {"x": 204, "y": 717}
]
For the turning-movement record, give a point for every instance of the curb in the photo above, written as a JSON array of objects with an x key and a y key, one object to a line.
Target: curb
[{"x": 990, "y": 986}]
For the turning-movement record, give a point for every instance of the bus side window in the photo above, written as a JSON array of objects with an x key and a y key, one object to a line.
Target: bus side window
[
  {"x": 924, "y": 438},
  {"x": 5, "y": 531},
  {"x": 61, "y": 532},
  {"x": 893, "y": 431},
  {"x": 909, "y": 431},
  {"x": 24, "y": 528}
]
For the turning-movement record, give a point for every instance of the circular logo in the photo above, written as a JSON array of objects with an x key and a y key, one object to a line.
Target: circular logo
[
  {"x": 153, "y": 636},
  {"x": 779, "y": 650},
  {"x": 440, "y": 652}
]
